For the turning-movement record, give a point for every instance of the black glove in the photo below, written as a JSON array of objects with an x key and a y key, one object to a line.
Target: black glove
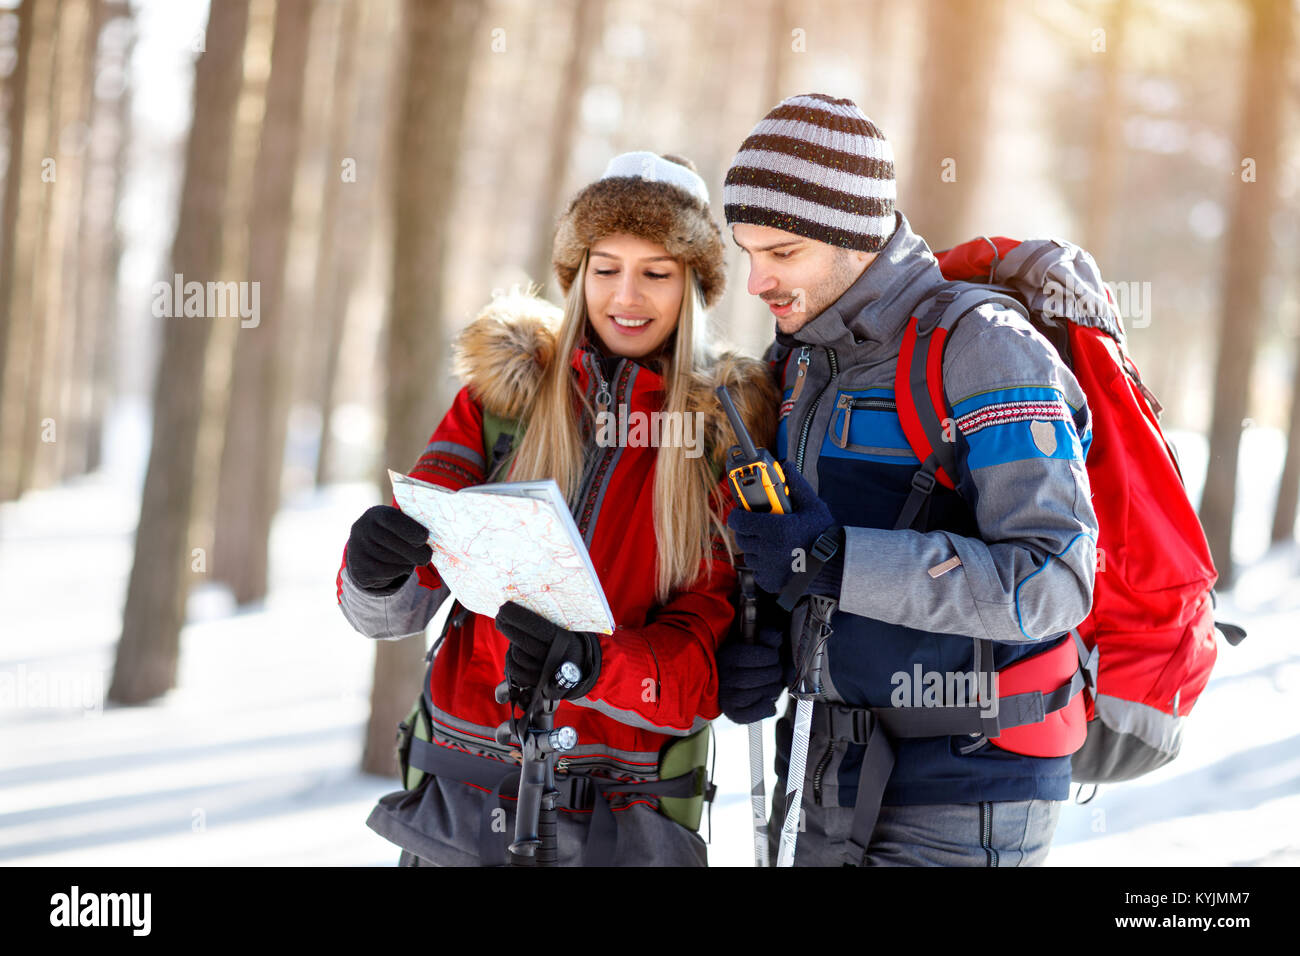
[
  {"x": 531, "y": 638},
  {"x": 752, "y": 676},
  {"x": 385, "y": 547},
  {"x": 769, "y": 541}
]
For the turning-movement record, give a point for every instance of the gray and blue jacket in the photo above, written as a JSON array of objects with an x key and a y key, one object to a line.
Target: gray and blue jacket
[{"x": 1020, "y": 524}]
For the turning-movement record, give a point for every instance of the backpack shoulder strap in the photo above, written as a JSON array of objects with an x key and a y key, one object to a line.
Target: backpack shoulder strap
[
  {"x": 919, "y": 389},
  {"x": 499, "y": 437}
]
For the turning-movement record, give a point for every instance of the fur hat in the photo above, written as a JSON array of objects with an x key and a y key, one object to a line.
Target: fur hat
[{"x": 658, "y": 198}]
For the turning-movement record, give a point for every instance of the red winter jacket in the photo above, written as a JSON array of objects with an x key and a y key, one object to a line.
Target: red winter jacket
[{"x": 658, "y": 678}]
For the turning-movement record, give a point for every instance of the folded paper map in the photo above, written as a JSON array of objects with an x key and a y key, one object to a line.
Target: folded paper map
[{"x": 509, "y": 542}]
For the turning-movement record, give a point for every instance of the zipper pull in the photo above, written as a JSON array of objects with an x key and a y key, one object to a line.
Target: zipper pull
[
  {"x": 603, "y": 397},
  {"x": 801, "y": 374},
  {"x": 840, "y": 422}
]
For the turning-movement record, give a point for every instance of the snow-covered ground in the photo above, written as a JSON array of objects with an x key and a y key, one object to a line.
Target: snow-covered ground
[{"x": 253, "y": 758}]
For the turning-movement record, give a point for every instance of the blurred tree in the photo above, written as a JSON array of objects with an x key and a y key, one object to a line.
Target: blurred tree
[
  {"x": 513, "y": 74},
  {"x": 27, "y": 204},
  {"x": 566, "y": 111},
  {"x": 148, "y": 651},
  {"x": 248, "y": 493},
  {"x": 1288, "y": 489},
  {"x": 90, "y": 291},
  {"x": 330, "y": 74},
  {"x": 237, "y": 213},
  {"x": 359, "y": 77},
  {"x": 1106, "y": 141},
  {"x": 440, "y": 41},
  {"x": 16, "y": 97},
  {"x": 781, "y": 17},
  {"x": 952, "y": 119},
  {"x": 111, "y": 135},
  {"x": 47, "y": 431},
  {"x": 1246, "y": 261}
]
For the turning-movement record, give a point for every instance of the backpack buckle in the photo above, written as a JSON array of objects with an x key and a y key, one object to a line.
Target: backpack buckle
[
  {"x": 582, "y": 793},
  {"x": 924, "y": 482},
  {"x": 826, "y": 545}
]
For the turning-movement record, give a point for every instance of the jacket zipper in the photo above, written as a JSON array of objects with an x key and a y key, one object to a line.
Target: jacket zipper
[
  {"x": 603, "y": 397},
  {"x": 872, "y": 404},
  {"x": 589, "y": 469},
  {"x": 986, "y": 833},
  {"x": 845, "y": 406},
  {"x": 803, "y": 444},
  {"x": 603, "y": 400},
  {"x": 812, "y": 412}
]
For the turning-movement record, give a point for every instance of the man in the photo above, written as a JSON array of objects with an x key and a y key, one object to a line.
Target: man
[{"x": 1007, "y": 557}]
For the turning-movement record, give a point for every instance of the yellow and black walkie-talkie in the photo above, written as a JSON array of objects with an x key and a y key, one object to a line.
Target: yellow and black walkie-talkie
[{"x": 758, "y": 480}]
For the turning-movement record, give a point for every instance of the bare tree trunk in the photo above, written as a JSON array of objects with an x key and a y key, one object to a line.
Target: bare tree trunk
[
  {"x": 952, "y": 130},
  {"x": 87, "y": 252},
  {"x": 1107, "y": 142},
  {"x": 218, "y": 370},
  {"x": 102, "y": 380},
  {"x": 780, "y": 24},
  {"x": 248, "y": 493},
  {"x": 22, "y": 255},
  {"x": 882, "y": 32},
  {"x": 1288, "y": 489},
  {"x": 1247, "y": 258},
  {"x": 514, "y": 76},
  {"x": 54, "y": 305},
  {"x": 16, "y": 93},
  {"x": 587, "y": 20},
  {"x": 343, "y": 219},
  {"x": 148, "y": 652},
  {"x": 440, "y": 37}
]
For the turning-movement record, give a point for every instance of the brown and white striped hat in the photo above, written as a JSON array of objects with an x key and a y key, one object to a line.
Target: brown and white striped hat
[{"x": 817, "y": 167}]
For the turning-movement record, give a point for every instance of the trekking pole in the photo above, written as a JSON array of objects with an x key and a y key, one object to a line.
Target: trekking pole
[
  {"x": 748, "y": 627},
  {"x": 759, "y": 485},
  {"x": 536, "y": 809},
  {"x": 809, "y": 687}
]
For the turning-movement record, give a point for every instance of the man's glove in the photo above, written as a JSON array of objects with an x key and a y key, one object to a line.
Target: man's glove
[
  {"x": 531, "y": 637},
  {"x": 752, "y": 676},
  {"x": 385, "y": 546},
  {"x": 769, "y": 540}
]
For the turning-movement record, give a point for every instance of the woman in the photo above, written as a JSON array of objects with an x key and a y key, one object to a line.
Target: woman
[{"x": 639, "y": 258}]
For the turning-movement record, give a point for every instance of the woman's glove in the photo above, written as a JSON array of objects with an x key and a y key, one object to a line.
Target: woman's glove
[
  {"x": 752, "y": 676},
  {"x": 531, "y": 638},
  {"x": 385, "y": 546}
]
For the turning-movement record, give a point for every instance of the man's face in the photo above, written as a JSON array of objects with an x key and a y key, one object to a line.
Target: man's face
[{"x": 797, "y": 277}]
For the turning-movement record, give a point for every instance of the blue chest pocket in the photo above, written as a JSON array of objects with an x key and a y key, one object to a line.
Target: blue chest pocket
[{"x": 864, "y": 426}]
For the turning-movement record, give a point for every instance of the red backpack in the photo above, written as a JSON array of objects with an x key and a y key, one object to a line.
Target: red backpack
[{"x": 1147, "y": 647}]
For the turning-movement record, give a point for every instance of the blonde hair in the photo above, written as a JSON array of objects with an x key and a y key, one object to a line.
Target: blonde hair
[{"x": 686, "y": 499}]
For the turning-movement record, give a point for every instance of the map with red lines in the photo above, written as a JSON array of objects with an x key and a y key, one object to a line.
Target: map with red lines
[{"x": 509, "y": 542}]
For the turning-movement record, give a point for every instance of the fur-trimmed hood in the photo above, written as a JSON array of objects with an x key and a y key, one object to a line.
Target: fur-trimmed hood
[{"x": 503, "y": 352}]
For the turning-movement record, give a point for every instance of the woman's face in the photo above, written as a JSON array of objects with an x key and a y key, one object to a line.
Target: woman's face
[{"x": 634, "y": 291}]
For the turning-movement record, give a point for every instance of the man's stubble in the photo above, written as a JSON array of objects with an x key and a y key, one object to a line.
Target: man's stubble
[{"x": 841, "y": 276}]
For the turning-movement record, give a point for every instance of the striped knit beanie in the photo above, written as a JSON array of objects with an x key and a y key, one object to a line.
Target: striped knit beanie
[{"x": 817, "y": 167}]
